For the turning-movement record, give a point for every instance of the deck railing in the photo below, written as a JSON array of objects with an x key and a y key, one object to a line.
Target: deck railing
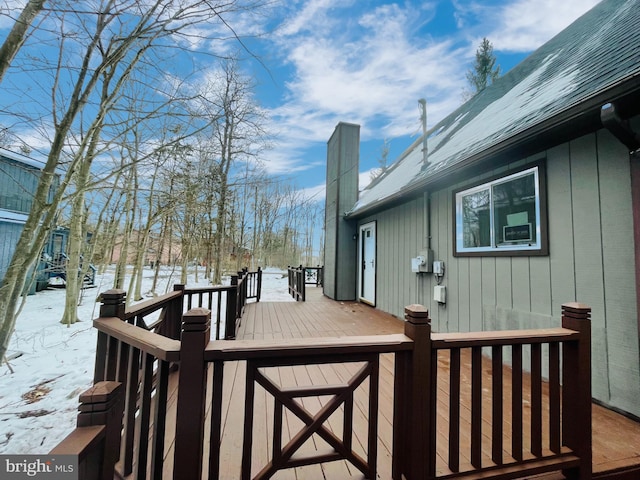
[
  {"x": 300, "y": 277},
  {"x": 314, "y": 276},
  {"x": 559, "y": 438},
  {"x": 136, "y": 348},
  {"x": 297, "y": 285},
  {"x": 563, "y": 444}
]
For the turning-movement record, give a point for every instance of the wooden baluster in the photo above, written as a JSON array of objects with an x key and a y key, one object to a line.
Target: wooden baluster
[
  {"x": 576, "y": 381},
  {"x": 516, "y": 402},
  {"x": 215, "y": 436},
  {"x": 476, "y": 407},
  {"x": 191, "y": 395},
  {"x": 131, "y": 403},
  {"x": 159, "y": 420},
  {"x": 496, "y": 400},
  {"x": 454, "y": 410},
  {"x": 372, "y": 448},
  {"x": 144, "y": 416},
  {"x": 421, "y": 444},
  {"x": 554, "y": 397},
  {"x": 401, "y": 399},
  {"x": 536, "y": 399}
]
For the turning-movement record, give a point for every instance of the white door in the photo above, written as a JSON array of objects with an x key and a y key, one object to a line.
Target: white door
[{"x": 367, "y": 257}]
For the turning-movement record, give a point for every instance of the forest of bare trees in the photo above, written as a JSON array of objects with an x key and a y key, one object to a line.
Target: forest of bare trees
[{"x": 157, "y": 163}]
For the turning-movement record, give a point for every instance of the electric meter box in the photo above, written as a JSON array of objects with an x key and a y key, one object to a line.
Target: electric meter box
[{"x": 423, "y": 263}]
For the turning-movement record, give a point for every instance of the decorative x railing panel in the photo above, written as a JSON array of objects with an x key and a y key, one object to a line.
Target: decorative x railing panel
[{"x": 341, "y": 395}]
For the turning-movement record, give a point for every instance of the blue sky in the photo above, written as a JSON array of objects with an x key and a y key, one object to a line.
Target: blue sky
[
  {"x": 359, "y": 61},
  {"x": 368, "y": 62}
]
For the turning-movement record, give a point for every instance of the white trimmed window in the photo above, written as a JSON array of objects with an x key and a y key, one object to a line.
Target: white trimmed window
[{"x": 503, "y": 216}]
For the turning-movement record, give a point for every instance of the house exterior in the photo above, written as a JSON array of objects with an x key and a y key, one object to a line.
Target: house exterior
[
  {"x": 529, "y": 197},
  {"x": 19, "y": 176}
]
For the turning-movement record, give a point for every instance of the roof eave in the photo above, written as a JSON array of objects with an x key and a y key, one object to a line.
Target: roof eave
[{"x": 575, "y": 121}]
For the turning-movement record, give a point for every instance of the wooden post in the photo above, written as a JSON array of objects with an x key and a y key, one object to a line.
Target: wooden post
[
  {"x": 576, "y": 381},
  {"x": 192, "y": 392},
  {"x": 420, "y": 422},
  {"x": 175, "y": 314},
  {"x": 301, "y": 283},
  {"x": 232, "y": 308},
  {"x": 245, "y": 291},
  {"x": 259, "y": 292},
  {"x": 113, "y": 305},
  {"x": 103, "y": 404}
]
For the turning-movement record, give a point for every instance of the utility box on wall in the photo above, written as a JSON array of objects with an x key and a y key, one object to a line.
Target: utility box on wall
[
  {"x": 423, "y": 263},
  {"x": 440, "y": 293}
]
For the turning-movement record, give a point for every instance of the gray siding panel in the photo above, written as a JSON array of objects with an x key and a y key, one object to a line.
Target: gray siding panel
[
  {"x": 588, "y": 253},
  {"x": 619, "y": 281},
  {"x": 590, "y": 260},
  {"x": 560, "y": 222}
]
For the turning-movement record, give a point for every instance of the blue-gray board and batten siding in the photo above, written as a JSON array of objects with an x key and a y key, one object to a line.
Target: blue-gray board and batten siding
[
  {"x": 9, "y": 234},
  {"x": 591, "y": 260}
]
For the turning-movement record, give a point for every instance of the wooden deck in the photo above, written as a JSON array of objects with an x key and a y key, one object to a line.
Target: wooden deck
[{"x": 616, "y": 439}]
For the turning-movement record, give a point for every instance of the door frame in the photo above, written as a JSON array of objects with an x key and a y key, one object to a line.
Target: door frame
[{"x": 361, "y": 228}]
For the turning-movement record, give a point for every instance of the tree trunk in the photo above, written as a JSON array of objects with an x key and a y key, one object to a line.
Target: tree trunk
[{"x": 18, "y": 33}]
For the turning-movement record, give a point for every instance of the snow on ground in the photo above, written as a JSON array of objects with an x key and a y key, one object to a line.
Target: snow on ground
[{"x": 52, "y": 363}]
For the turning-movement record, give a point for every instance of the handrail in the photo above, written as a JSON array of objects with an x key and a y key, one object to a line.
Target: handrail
[
  {"x": 159, "y": 346},
  {"x": 252, "y": 349},
  {"x": 208, "y": 288},
  {"x": 151, "y": 305},
  {"x": 444, "y": 341}
]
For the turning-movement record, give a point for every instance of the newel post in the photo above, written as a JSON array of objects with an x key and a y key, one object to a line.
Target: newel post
[
  {"x": 576, "y": 385},
  {"x": 175, "y": 312},
  {"x": 258, "y": 293},
  {"x": 102, "y": 404},
  {"x": 232, "y": 310},
  {"x": 113, "y": 305},
  {"x": 415, "y": 445},
  {"x": 191, "y": 394}
]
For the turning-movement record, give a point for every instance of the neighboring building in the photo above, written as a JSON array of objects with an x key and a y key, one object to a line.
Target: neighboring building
[
  {"x": 19, "y": 176},
  {"x": 530, "y": 198}
]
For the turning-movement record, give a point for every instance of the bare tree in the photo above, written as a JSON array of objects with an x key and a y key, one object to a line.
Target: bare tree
[
  {"x": 114, "y": 40},
  {"x": 238, "y": 134},
  {"x": 18, "y": 33}
]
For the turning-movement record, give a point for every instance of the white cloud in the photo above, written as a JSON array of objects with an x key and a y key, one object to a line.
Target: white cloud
[
  {"x": 370, "y": 67},
  {"x": 519, "y": 25},
  {"x": 366, "y": 68}
]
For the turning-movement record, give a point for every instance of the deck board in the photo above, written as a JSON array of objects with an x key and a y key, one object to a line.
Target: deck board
[{"x": 616, "y": 439}]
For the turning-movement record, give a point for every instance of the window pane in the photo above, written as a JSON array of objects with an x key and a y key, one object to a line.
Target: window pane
[
  {"x": 514, "y": 209},
  {"x": 476, "y": 220}
]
